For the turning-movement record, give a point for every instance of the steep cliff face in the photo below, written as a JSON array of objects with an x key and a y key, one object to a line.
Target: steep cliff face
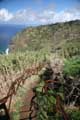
[{"x": 54, "y": 37}]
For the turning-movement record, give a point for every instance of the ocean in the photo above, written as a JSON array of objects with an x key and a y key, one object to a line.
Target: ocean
[{"x": 6, "y": 34}]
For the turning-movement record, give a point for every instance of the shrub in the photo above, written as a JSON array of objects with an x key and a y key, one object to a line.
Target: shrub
[
  {"x": 75, "y": 115},
  {"x": 72, "y": 67}
]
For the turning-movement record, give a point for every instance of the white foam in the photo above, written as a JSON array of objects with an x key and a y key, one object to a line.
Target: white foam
[{"x": 7, "y": 51}]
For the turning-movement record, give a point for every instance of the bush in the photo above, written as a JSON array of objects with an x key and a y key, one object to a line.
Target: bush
[
  {"x": 75, "y": 115},
  {"x": 72, "y": 67}
]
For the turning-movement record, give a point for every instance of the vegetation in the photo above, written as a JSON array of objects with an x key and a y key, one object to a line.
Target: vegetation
[
  {"x": 47, "y": 104},
  {"x": 72, "y": 67},
  {"x": 21, "y": 60},
  {"x": 69, "y": 93},
  {"x": 36, "y": 45},
  {"x": 75, "y": 115},
  {"x": 62, "y": 38}
]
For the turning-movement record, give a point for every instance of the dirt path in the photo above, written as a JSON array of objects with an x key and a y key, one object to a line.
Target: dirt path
[{"x": 26, "y": 101}]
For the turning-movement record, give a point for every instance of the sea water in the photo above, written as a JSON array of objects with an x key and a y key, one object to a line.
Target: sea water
[{"x": 6, "y": 34}]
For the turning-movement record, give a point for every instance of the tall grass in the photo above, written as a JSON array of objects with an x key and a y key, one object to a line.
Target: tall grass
[{"x": 20, "y": 60}]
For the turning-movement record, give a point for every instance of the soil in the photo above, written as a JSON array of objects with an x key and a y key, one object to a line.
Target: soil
[{"x": 24, "y": 111}]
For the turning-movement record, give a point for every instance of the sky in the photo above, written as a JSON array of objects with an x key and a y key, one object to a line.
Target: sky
[{"x": 35, "y": 12}]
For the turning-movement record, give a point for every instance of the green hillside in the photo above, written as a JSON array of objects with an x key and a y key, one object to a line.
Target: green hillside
[
  {"x": 61, "y": 37},
  {"x": 36, "y": 46}
]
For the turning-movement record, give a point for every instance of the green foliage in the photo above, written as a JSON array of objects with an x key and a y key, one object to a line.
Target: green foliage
[
  {"x": 71, "y": 48},
  {"x": 15, "y": 62},
  {"x": 72, "y": 67},
  {"x": 35, "y": 45},
  {"x": 47, "y": 104},
  {"x": 74, "y": 115},
  {"x": 61, "y": 37}
]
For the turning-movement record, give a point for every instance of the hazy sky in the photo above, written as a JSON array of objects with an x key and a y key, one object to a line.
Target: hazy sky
[{"x": 38, "y": 11}]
